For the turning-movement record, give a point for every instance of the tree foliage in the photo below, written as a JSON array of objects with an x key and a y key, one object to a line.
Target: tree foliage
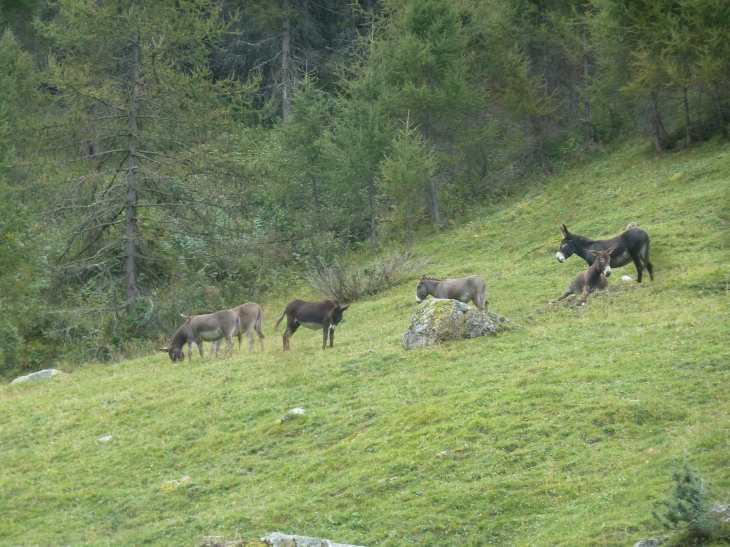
[{"x": 191, "y": 154}]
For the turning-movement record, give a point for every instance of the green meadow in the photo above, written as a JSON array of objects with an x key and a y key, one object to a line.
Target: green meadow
[{"x": 562, "y": 430}]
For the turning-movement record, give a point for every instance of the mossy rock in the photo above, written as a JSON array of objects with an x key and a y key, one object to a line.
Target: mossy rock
[{"x": 439, "y": 320}]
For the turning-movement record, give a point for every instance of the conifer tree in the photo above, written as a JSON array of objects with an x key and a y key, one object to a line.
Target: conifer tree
[
  {"x": 364, "y": 132},
  {"x": 138, "y": 109},
  {"x": 16, "y": 82},
  {"x": 427, "y": 73},
  {"x": 408, "y": 166}
]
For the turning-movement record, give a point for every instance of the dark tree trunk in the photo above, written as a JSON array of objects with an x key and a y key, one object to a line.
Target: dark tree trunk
[
  {"x": 587, "y": 101},
  {"x": 286, "y": 99},
  {"x": 373, "y": 234},
  {"x": 371, "y": 191},
  {"x": 718, "y": 111},
  {"x": 660, "y": 134},
  {"x": 687, "y": 121},
  {"x": 130, "y": 221},
  {"x": 432, "y": 186},
  {"x": 435, "y": 202}
]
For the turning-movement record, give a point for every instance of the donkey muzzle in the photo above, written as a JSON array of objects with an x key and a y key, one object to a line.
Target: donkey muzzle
[
  {"x": 560, "y": 257},
  {"x": 607, "y": 272},
  {"x": 418, "y": 300}
]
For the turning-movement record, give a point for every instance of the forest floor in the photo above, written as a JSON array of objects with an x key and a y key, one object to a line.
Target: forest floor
[{"x": 563, "y": 430}]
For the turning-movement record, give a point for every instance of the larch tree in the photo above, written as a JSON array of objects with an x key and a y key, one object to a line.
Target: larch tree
[{"x": 138, "y": 110}]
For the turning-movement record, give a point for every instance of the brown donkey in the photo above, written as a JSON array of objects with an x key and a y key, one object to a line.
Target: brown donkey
[
  {"x": 593, "y": 278},
  {"x": 325, "y": 315}
]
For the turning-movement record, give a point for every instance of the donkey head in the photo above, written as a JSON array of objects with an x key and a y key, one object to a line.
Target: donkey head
[
  {"x": 566, "y": 246},
  {"x": 335, "y": 313},
  {"x": 421, "y": 290},
  {"x": 176, "y": 354},
  {"x": 603, "y": 260}
]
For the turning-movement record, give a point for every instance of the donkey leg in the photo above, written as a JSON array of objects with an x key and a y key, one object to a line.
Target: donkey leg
[
  {"x": 649, "y": 269},
  {"x": 190, "y": 351},
  {"x": 285, "y": 338},
  {"x": 324, "y": 335},
  {"x": 566, "y": 294},
  {"x": 229, "y": 346},
  {"x": 249, "y": 333},
  {"x": 639, "y": 268},
  {"x": 332, "y": 338},
  {"x": 257, "y": 326}
]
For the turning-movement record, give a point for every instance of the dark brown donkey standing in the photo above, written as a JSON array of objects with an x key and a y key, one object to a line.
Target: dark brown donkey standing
[
  {"x": 464, "y": 289},
  {"x": 325, "y": 315},
  {"x": 203, "y": 328},
  {"x": 593, "y": 278}
]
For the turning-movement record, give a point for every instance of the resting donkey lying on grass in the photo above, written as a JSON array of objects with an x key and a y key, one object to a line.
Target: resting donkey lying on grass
[
  {"x": 593, "y": 278},
  {"x": 203, "y": 328}
]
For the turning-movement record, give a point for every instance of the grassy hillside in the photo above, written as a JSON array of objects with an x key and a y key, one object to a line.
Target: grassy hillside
[{"x": 562, "y": 431}]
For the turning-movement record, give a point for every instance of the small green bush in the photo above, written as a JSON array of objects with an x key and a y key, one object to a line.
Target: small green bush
[{"x": 689, "y": 508}]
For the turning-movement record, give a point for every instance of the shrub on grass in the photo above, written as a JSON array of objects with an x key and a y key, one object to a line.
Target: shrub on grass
[
  {"x": 348, "y": 284},
  {"x": 689, "y": 508}
]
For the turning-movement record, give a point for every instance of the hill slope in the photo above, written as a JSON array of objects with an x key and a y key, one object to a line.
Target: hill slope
[{"x": 562, "y": 431}]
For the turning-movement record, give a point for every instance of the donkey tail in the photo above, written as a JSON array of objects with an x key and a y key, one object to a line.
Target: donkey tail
[
  {"x": 259, "y": 323},
  {"x": 279, "y": 321}
]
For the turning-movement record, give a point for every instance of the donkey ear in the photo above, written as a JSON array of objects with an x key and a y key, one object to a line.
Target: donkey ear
[
  {"x": 423, "y": 278},
  {"x": 343, "y": 309},
  {"x": 609, "y": 251},
  {"x": 566, "y": 232},
  {"x": 595, "y": 253},
  {"x": 430, "y": 276}
]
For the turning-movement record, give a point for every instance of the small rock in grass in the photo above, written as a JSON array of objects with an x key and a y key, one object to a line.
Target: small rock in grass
[
  {"x": 220, "y": 541},
  {"x": 651, "y": 542},
  {"x": 293, "y": 412},
  {"x": 105, "y": 439},
  {"x": 626, "y": 278},
  {"x": 40, "y": 375},
  {"x": 277, "y": 539},
  {"x": 169, "y": 486}
]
